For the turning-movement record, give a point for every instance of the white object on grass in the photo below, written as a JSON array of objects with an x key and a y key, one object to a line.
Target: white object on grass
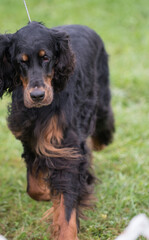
[
  {"x": 2, "y": 237},
  {"x": 138, "y": 226}
]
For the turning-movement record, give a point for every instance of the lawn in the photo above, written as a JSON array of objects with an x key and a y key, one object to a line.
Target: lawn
[{"x": 123, "y": 167}]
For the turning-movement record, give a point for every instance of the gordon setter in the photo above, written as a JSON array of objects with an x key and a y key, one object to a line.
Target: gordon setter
[{"x": 59, "y": 80}]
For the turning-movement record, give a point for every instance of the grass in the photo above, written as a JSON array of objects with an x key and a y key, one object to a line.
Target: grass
[{"x": 123, "y": 168}]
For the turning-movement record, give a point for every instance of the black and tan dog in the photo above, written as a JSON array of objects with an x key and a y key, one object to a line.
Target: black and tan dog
[{"x": 59, "y": 80}]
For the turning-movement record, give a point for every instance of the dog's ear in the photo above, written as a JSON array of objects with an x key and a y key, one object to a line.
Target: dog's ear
[
  {"x": 6, "y": 69},
  {"x": 65, "y": 60}
]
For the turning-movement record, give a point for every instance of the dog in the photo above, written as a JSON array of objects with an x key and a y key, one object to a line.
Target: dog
[{"x": 59, "y": 80}]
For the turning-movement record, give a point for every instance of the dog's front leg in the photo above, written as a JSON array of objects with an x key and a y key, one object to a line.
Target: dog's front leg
[
  {"x": 65, "y": 204},
  {"x": 63, "y": 228}
]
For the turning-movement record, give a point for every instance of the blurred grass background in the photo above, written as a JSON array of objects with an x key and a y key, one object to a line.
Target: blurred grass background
[{"x": 123, "y": 168}]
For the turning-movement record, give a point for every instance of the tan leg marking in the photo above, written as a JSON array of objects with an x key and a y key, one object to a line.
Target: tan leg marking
[
  {"x": 95, "y": 144},
  {"x": 63, "y": 230}
]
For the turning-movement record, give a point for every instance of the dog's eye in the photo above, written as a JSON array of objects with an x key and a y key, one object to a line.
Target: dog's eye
[
  {"x": 24, "y": 61},
  {"x": 45, "y": 58}
]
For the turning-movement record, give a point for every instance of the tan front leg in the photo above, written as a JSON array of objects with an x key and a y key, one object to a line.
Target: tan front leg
[{"x": 62, "y": 229}]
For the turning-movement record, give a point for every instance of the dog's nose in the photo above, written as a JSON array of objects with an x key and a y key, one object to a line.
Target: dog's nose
[{"x": 37, "y": 95}]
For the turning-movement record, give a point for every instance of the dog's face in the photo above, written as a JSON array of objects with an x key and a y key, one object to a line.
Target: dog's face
[
  {"x": 35, "y": 58},
  {"x": 38, "y": 58}
]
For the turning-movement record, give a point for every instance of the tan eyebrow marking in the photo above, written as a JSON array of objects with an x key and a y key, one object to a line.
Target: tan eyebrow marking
[
  {"x": 24, "y": 57},
  {"x": 42, "y": 53}
]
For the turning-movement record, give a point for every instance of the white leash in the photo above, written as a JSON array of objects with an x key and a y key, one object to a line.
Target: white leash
[{"x": 27, "y": 10}]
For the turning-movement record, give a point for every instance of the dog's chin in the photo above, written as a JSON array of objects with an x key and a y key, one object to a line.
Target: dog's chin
[{"x": 37, "y": 104}]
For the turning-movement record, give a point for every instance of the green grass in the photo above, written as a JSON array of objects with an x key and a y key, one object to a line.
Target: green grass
[{"x": 122, "y": 168}]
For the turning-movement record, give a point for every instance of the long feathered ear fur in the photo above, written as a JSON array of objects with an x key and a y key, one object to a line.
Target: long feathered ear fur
[
  {"x": 65, "y": 60},
  {"x": 6, "y": 69}
]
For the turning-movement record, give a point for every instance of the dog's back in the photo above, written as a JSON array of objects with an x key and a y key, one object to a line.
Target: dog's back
[{"x": 89, "y": 86}]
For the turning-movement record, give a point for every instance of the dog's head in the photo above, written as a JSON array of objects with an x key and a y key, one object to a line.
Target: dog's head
[{"x": 38, "y": 58}]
